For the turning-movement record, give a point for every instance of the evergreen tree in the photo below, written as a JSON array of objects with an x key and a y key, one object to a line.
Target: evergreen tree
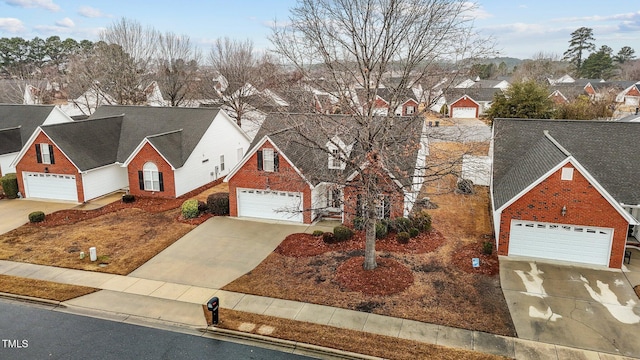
[
  {"x": 581, "y": 41},
  {"x": 527, "y": 100}
]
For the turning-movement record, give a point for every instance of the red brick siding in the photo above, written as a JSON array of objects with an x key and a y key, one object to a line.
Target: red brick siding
[
  {"x": 585, "y": 206},
  {"x": 464, "y": 102},
  {"x": 408, "y": 104},
  {"x": 590, "y": 90},
  {"x": 149, "y": 154},
  {"x": 633, "y": 92},
  {"x": 396, "y": 199},
  {"x": 63, "y": 165},
  {"x": 285, "y": 179}
]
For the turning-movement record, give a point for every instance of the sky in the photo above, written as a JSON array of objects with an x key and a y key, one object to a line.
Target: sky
[{"x": 520, "y": 28}]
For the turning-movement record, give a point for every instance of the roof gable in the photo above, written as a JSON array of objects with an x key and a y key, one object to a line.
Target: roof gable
[{"x": 26, "y": 118}]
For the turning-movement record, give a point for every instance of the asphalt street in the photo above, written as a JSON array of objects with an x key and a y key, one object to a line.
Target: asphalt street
[{"x": 34, "y": 332}]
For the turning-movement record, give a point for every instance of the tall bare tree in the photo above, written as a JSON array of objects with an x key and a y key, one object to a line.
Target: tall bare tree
[
  {"x": 361, "y": 46},
  {"x": 177, "y": 68}
]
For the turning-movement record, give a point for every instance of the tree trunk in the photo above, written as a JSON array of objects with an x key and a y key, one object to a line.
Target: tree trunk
[{"x": 370, "y": 244}]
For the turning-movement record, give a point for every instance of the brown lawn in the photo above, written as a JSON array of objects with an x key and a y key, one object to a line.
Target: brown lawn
[
  {"x": 43, "y": 289},
  {"x": 125, "y": 235}
]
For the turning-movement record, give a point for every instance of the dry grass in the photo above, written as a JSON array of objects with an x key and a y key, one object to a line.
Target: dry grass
[
  {"x": 386, "y": 347},
  {"x": 42, "y": 289}
]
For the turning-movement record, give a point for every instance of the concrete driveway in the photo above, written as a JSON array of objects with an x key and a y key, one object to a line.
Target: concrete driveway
[
  {"x": 588, "y": 308},
  {"x": 216, "y": 252},
  {"x": 15, "y": 212}
]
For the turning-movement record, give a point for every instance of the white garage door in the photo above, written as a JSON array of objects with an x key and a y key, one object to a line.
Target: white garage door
[
  {"x": 573, "y": 243},
  {"x": 50, "y": 186},
  {"x": 464, "y": 112},
  {"x": 267, "y": 204}
]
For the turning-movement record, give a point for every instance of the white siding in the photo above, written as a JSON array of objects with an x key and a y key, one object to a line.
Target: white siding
[
  {"x": 56, "y": 116},
  {"x": 103, "y": 181},
  {"x": 5, "y": 163},
  {"x": 222, "y": 138}
]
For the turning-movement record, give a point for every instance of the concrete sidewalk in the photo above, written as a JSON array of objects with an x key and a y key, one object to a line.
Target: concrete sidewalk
[{"x": 182, "y": 304}]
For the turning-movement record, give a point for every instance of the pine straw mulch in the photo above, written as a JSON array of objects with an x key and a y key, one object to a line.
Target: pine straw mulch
[{"x": 445, "y": 289}]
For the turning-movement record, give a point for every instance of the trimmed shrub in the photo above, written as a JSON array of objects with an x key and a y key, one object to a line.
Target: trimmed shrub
[
  {"x": 218, "y": 203},
  {"x": 128, "y": 198},
  {"x": 10, "y": 185},
  {"x": 413, "y": 232},
  {"x": 421, "y": 221},
  {"x": 381, "y": 230},
  {"x": 465, "y": 186},
  {"x": 487, "y": 248},
  {"x": 342, "y": 233},
  {"x": 358, "y": 223},
  {"x": 202, "y": 206},
  {"x": 190, "y": 209},
  {"x": 403, "y": 237},
  {"x": 328, "y": 237},
  {"x": 317, "y": 232},
  {"x": 402, "y": 224},
  {"x": 36, "y": 217}
]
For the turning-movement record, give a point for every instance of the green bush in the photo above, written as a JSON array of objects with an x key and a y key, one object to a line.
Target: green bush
[
  {"x": 381, "y": 230},
  {"x": 402, "y": 224},
  {"x": 413, "y": 232},
  {"x": 487, "y": 248},
  {"x": 317, "y": 232},
  {"x": 342, "y": 233},
  {"x": 328, "y": 237},
  {"x": 36, "y": 216},
  {"x": 190, "y": 209},
  {"x": 10, "y": 185},
  {"x": 358, "y": 223},
  {"x": 403, "y": 237},
  {"x": 128, "y": 198},
  {"x": 421, "y": 221},
  {"x": 218, "y": 203}
]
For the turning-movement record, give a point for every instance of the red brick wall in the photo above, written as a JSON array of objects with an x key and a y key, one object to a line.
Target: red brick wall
[
  {"x": 464, "y": 102},
  {"x": 63, "y": 165},
  {"x": 589, "y": 90},
  {"x": 286, "y": 179},
  {"x": 633, "y": 92},
  {"x": 585, "y": 206},
  {"x": 396, "y": 199},
  {"x": 408, "y": 104},
  {"x": 149, "y": 154}
]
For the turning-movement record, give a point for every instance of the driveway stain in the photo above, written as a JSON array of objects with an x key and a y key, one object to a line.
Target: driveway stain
[
  {"x": 621, "y": 312},
  {"x": 532, "y": 281}
]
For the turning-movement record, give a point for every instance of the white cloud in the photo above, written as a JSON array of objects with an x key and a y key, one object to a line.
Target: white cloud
[
  {"x": 626, "y": 16},
  {"x": 11, "y": 25},
  {"x": 66, "y": 22},
  {"x": 91, "y": 12},
  {"x": 45, "y": 4},
  {"x": 474, "y": 11}
]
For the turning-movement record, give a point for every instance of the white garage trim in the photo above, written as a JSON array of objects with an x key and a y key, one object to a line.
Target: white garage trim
[
  {"x": 463, "y": 112},
  {"x": 50, "y": 186},
  {"x": 267, "y": 204},
  {"x": 574, "y": 243}
]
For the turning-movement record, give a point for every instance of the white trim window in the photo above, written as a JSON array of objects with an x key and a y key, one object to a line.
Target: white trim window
[
  {"x": 151, "y": 177},
  {"x": 46, "y": 155},
  {"x": 567, "y": 173},
  {"x": 335, "y": 161},
  {"x": 267, "y": 159},
  {"x": 221, "y": 162}
]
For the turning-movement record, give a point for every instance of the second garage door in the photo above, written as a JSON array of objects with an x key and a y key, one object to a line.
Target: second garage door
[
  {"x": 583, "y": 244},
  {"x": 463, "y": 112},
  {"x": 272, "y": 205},
  {"x": 50, "y": 186}
]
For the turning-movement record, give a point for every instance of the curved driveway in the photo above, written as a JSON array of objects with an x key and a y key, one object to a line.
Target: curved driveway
[{"x": 216, "y": 252}]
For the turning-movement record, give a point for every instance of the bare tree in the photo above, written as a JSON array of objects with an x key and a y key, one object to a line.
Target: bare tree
[
  {"x": 177, "y": 68},
  {"x": 360, "y": 47}
]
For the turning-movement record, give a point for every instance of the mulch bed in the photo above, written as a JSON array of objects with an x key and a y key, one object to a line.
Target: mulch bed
[
  {"x": 149, "y": 204},
  {"x": 305, "y": 245},
  {"x": 389, "y": 277},
  {"x": 489, "y": 264}
]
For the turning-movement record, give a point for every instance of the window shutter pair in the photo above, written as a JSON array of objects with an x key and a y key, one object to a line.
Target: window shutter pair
[
  {"x": 39, "y": 154},
  {"x": 141, "y": 180},
  {"x": 276, "y": 161}
]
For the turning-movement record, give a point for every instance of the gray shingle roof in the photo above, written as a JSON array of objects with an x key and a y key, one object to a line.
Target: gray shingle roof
[
  {"x": 303, "y": 139},
  {"x": 25, "y": 117},
  {"x": 607, "y": 150},
  {"x": 477, "y": 94},
  {"x": 112, "y": 133}
]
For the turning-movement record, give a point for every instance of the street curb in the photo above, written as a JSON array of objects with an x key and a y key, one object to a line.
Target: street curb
[
  {"x": 31, "y": 299},
  {"x": 294, "y": 346}
]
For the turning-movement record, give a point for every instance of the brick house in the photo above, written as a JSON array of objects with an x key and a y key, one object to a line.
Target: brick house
[
  {"x": 148, "y": 151},
  {"x": 464, "y": 107},
  {"x": 563, "y": 190},
  {"x": 301, "y": 175},
  {"x": 17, "y": 124}
]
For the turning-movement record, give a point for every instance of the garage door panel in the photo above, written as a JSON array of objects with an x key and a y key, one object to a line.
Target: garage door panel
[
  {"x": 50, "y": 186},
  {"x": 274, "y": 205},
  {"x": 560, "y": 242},
  {"x": 464, "y": 112}
]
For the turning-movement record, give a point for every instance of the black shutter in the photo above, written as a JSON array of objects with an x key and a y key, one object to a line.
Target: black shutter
[
  {"x": 53, "y": 161},
  {"x": 141, "y": 180},
  {"x": 387, "y": 207},
  {"x": 161, "y": 181},
  {"x": 359, "y": 205},
  {"x": 38, "y": 154},
  {"x": 276, "y": 161},
  {"x": 260, "y": 160}
]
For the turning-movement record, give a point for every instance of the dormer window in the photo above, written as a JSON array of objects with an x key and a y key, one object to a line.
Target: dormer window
[{"x": 338, "y": 152}]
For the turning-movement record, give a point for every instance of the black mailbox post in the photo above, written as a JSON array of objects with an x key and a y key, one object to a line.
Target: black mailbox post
[{"x": 213, "y": 305}]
